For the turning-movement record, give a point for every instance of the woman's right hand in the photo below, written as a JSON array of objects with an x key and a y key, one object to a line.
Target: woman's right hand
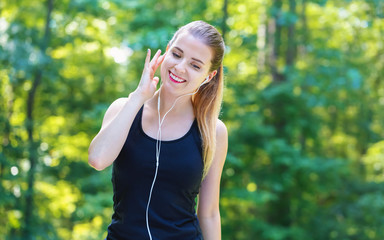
[{"x": 148, "y": 82}]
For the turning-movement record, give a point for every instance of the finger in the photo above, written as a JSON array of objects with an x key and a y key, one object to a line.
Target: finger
[
  {"x": 154, "y": 59},
  {"x": 157, "y": 53},
  {"x": 147, "y": 58},
  {"x": 155, "y": 81},
  {"x": 160, "y": 60}
]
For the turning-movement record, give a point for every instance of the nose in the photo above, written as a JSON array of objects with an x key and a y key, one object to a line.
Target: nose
[{"x": 180, "y": 66}]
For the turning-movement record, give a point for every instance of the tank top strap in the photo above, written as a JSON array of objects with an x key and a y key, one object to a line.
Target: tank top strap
[{"x": 197, "y": 136}]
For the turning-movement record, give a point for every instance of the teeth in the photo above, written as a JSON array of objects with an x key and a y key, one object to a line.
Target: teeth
[{"x": 176, "y": 78}]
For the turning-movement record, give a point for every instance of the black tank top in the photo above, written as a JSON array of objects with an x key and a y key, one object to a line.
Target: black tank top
[{"x": 172, "y": 214}]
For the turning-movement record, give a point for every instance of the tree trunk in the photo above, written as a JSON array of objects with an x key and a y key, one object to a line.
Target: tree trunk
[
  {"x": 280, "y": 209},
  {"x": 7, "y": 132},
  {"x": 274, "y": 30},
  {"x": 274, "y": 40},
  {"x": 305, "y": 23},
  {"x": 262, "y": 32},
  {"x": 29, "y": 206},
  {"x": 225, "y": 17},
  {"x": 302, "y": 51},
  {"x": 291, "y": 45}
]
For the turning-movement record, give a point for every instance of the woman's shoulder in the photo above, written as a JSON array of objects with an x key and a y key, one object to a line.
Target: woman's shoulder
[
  {"x": 221, "y": 130},
  {"x": 119, "y": 102},
  {"x": 113, "y": 109}
]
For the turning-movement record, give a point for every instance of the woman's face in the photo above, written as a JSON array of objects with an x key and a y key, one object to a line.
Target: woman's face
[{"x": 186, "y": 64}]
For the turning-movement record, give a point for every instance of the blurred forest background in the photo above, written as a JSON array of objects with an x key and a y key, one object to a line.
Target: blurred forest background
[{"x": 304, "y": 106}]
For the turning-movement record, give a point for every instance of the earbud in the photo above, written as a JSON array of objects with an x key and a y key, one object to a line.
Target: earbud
[{"x": 205, "y": 81}]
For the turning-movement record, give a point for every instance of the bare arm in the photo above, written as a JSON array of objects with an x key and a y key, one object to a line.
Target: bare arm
[
  {"x": 117, "y": 122},
  {"x": 107, "y": 144},
  {"x": 208, "y": 208}
]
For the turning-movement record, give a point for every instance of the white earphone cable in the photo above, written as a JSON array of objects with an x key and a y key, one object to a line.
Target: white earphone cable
[{"x": 158, "y": 148}]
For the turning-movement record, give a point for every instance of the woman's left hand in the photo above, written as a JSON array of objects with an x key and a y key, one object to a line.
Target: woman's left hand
[{"x": 148, "y": 82}]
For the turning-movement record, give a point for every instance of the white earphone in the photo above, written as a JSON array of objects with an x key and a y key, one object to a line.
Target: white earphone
[
  {"x": 205, "y": 81},
  {"x": 158, "y": 146}
]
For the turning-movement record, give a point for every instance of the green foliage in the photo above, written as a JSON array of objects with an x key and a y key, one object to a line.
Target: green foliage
[{"x": 303, "y": 106}]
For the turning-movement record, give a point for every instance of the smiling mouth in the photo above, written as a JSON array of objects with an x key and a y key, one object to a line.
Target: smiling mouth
[{"x": 175, "y": 78}]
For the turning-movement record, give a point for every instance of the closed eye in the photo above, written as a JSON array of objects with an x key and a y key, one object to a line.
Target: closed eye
[
  {"x": 176, "y": 55},
  {"x": 195, "y": 66}
]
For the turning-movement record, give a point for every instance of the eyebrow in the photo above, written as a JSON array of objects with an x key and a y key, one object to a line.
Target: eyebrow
[{"x": 197, "y": 60}]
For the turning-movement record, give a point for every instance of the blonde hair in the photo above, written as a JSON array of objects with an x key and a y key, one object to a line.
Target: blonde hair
[{"x": 207, "y": 101}]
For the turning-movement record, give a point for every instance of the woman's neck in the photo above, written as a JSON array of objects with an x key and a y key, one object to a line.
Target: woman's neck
[{"x": 181, "y": 104}]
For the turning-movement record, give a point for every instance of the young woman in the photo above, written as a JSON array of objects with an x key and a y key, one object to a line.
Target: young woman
[{"x": 168, "y": 146}]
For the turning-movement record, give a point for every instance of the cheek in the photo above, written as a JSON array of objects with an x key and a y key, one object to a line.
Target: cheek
[
  {"x": 168, "y": 63},
  {"x": 164, "y": 64},
  {"x": 198, "y": 78},
  {"x": 162, "y": 69},
  {"x": 169, "y": 60}
]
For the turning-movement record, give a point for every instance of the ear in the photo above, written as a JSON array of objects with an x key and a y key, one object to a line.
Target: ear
[{"x": 212, "y": 74}]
